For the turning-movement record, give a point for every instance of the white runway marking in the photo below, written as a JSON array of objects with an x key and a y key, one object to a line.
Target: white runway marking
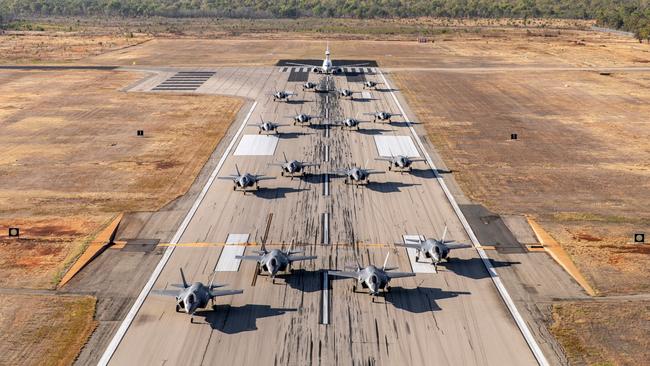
[
  {"x": 523, "y": 327},
  {"x": 424, "y": 265},
  {"x": 257, "y": 145},
  {"x": 396, "y": 145},
  {"x": 121, "y": 331},
  {"x": 326, "y": 300},
  {"x": 366, "y": 95},
  {"x": 227, "y": 261}
]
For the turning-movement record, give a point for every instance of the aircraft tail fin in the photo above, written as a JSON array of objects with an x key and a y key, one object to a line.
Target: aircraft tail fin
[
  {"x": 385, "y": 261},
  {"x": 444, "y": 234},
  {"x": 183, "y": 278},
  {"x": 237, "y": 169},
  {"x": 285, "y": 157}
]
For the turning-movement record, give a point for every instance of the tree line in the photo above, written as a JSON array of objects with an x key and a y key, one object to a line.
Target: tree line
[{"x": 629, "y": 15}]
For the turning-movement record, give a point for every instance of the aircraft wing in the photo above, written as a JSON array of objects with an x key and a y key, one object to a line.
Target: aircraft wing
[
  {"x": 345, "y": 274},
  {"x": 412, "y": 246},
  {"x": 303, "y": 65},
  {"x": 225, "y": 292},
  {"x": 458, "y": 246},
  {"x": 374, "y": 171},
  {"x": 249, "y": 257},
  {"x": 173, "y": 293},
  {"x": 417, "y": 159},
  {"x": 263, "y": 177},
  {"x": 295, "y": 258},
  {"x": 276, "y": 164},
  {"x": 230, "y": 177},
  {"x": 310, "y": 164},
  {"x": 355, "y": 65},
  {"x": 399, "y": 274},
  {"x": 385, "y": 158}
]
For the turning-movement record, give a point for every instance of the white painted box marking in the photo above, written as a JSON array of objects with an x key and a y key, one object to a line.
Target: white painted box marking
[
  {"x": 257, "y": 145},
  {"x": 227, "y": 261},
  {"x": 396, "y": 145}
]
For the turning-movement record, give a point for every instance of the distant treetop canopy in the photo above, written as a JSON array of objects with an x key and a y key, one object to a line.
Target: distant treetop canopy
[{"x": 630, "y": 15}]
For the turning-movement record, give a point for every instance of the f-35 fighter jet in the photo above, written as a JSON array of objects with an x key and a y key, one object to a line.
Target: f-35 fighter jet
[
  {"x": 246, "y": 180},
  {"x": 293, "y": 168},
  {"x": 400, "y": 163},
  {"x": 196, "y": 296},
  {"x": 382, "y": 116},
  {"x": 276, "y": 260},
  {"x": 356, "y": 175},
  {"x": 435, "y": 249},
  {"x": 372, "y": 278}
]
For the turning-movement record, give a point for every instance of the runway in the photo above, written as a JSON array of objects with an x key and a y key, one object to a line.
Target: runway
[{"x": 453, "y": 317}]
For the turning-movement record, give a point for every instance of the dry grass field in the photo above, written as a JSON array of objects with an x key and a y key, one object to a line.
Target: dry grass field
[
  {"x": 581, "y": 164},
  {"x": 603, "y": 333},
  {"x": 492, "y": 48},
  {"x": 71, "y": 159},
  {"x": 44, "y": 329}
]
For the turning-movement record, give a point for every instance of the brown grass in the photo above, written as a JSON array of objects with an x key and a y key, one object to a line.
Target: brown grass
[
  {"x": 581, "y": 160},
  {"x": 603, "y": 333},
  {"x": 71, "y": 159},
  {"x": 44, "y": 329}
]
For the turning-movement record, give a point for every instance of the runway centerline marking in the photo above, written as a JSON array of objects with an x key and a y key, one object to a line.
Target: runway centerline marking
[
  {"x": 528, "y": 336},
  {"x": 326, "y": 300},
  {"x": 126, "y": 323}
]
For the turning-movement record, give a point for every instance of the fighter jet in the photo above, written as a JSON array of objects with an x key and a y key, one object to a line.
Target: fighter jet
[
  {"x": 282, "y": 95},
  {"x": 243, "y": 181},
  {"x": 401, "y": 163},
  {"x": 369, "y": 84},
  {"x": 308, "y": 86},
  {"x": 349, "y": 123},
  {"x": 190, "y": 298},
  {"x": 382, "y": 116},
  {"x": 267, "y": 126},
  {"x": 294, "y": 167},
  {"x": 356, "y": 175},
  {"x": 301, "y": 118},
  {"x": 435, "y": 249},
  {"x": 346, "y": 93},
  {"x": 276, "y": 260},
  {"x": 327, "y": 67},
  {"x": 372, "y": 278}
]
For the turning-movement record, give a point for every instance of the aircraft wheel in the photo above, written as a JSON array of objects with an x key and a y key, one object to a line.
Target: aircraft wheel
[
  {"x": 417, "y": 259},
  {"x": 388, "y": 288},
  {"x": 354, "y": 288},
  {"x": 178, "y": 308},
  {"x": 259, "y": 132},
  {"x": 282, "y": 174},
  {"x": 234, "y": 188},
  {"x": 390, "y": 168},
  {"x": 192, "y": 319},
  {"x": 273, "y": 280}
]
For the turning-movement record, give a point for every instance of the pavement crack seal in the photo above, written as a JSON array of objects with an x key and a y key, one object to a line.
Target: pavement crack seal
[
  {"x": 503, "y": 292},
  {"x": 126, "y": 323}
]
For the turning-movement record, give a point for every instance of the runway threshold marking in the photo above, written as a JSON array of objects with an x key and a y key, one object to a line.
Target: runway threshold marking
[
  {"x": 126, "y": 323},
  {"x": 505, "y": 296}
]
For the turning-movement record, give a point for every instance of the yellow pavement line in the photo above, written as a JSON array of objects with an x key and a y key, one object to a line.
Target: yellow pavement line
[
  {"x": 101, "y": 241},
  {"x": 560, "y": 256}
]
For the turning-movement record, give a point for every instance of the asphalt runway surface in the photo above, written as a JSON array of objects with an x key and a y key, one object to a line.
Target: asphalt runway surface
[{"x": 454, "y": 317}]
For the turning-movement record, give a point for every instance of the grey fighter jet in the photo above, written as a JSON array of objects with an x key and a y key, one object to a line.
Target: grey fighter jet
[
  {"x": 346, "y": 93},
  {"x": 196, "y": 296},
  {"x": 435, "y": 249},
  {"x": 267, "y": 126},
  {"x": 383, "y": 116},
  {"x": 400, "y": 163},
  {"x": 282, "y": 95},
  {"x": 348, "y": 123},
  {"x": 369, "y": 84},
  {"x": 276, "y": 260},
  {"x": 246, "y": 180},
  {"x": 356, "y": 175},
  {"x": 293, "y": 168},
  {"x": 308, "y": 86},
  {"x": 372, "y": 278},
  {"x": 301, "y": 118}
]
